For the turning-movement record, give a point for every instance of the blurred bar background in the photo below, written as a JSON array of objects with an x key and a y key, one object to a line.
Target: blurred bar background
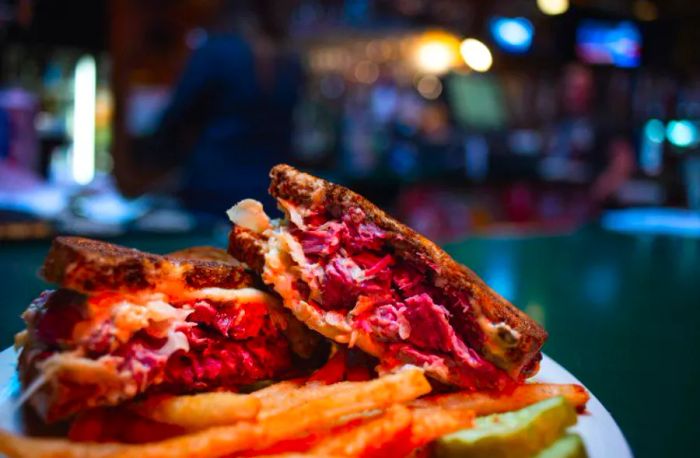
[{"x": 551, "y": 145}]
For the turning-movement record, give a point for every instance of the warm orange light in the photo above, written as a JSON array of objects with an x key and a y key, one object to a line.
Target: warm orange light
[{"x": 437, "y": 52}]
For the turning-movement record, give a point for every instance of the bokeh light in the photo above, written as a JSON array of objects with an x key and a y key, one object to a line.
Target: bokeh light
[
  {"x": 682, "y": 133},
  {"x": 366, "y": 72},
  {"x": 553, "y": 7},
  {"x": 437, "y": 52},
  {"x": 476, "y": 55},
  {"x": 429, "y": 86},
  {"x": 512, "y": 34},
  {"x": 655, "y": 131}
]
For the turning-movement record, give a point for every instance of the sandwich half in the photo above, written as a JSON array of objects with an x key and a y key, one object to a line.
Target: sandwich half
[
  {"x": 361, "y": 278},
  {"x": 124, "y": 322}
]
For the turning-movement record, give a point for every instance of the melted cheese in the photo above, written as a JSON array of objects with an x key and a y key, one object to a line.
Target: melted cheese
[
  {"x": 241, "y": 296},
  {"x": 499, "y": 337},
  {"x": 249, "y": 214}
]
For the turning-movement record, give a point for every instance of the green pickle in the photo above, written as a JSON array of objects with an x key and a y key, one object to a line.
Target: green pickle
[
  {"x": 569, "y": 446},
  {"x": 522, "y": 433}
]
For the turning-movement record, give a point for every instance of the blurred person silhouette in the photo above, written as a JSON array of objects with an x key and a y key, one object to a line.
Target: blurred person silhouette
[
  {"x": 584, "y": 133},
  {"x": 229, "y": 119}
]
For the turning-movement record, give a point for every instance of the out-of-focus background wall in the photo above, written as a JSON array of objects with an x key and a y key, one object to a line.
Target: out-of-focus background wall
[{"x": 551, "y": 145}]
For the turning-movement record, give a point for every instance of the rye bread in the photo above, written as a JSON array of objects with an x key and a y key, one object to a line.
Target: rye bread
[
  {"x": 521, "y": 349},
  {"x": 248, "y": 247},
  {"x": 89, "y": 266}
]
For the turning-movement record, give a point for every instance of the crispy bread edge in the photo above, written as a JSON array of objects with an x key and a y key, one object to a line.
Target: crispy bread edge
[
  {"x": 248, "y": 247},
  {"x": 303, "y": 189},
  {"x": 89, "y": 265}
]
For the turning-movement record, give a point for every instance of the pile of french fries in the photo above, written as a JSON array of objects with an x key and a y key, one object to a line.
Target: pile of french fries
[{"x": 386, "y": 416}]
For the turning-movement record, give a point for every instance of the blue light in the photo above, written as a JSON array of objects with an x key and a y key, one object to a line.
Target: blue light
[
  {"x": 682, "y": 133},
  {"x": 604, "y": 42},
  {"x": 663, "y": 221},
  {"x": 512, "y": 34},
  {"x": 655, "y": 131}
]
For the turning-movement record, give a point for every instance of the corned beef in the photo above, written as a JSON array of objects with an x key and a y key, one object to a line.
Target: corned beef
[
  {"x": 360, "y": 275},
  {"x": 229, "y": 345}
]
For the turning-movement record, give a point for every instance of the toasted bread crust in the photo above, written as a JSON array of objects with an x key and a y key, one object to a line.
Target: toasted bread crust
[
  {"x": 304, "y": 189},
  {"x": 248, "y": 247},
  {"x": 87, "y": 266}
]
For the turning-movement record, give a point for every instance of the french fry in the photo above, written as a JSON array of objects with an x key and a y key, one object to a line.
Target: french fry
[
  {"x": 316, "y": 414},
  {"x": 369, "y": 439},
  {"x": 279, "y": 402},
  {"x": 522, "y": 396},
  {"x": 429, "y": 423},
  {"x": 278, "y": 394},
  {"x": 276, "y": 400},
  {"x": 14, "y": 446},
  {"x": 287, "y": 446},
  {"x": 276, "y": 389},
  {"x": 298, "y": 455},
  {"x": 199, "y": 411},
  {"x": 396, "y": 432}
]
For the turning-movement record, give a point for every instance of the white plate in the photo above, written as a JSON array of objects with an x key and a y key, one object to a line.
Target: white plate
[{"x": 599, "y": 431}]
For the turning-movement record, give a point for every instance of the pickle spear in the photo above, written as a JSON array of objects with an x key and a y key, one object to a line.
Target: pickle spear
[
  {"x": 522, "y": 433},
  {"x": 569, "y": 446}
]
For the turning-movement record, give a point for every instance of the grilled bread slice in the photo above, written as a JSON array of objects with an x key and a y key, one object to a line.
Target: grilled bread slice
[
  {"x": 87, "y": 265},
  {"x": 495, "y": 333},
  {"x": 125, "y": 322}
]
